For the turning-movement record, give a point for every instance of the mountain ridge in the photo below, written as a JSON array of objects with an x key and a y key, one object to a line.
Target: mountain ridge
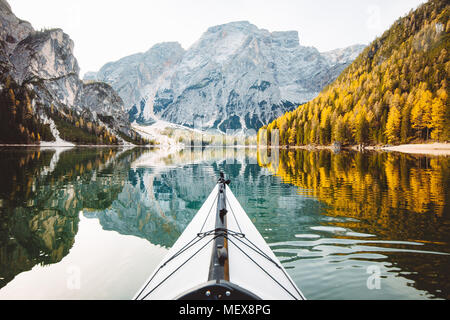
[
  {"x": 42, "y": 98},
  {"x": 236, "y": 76}
]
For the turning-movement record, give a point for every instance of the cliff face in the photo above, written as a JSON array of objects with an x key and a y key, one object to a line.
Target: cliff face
[
  {"x": 45, "y": 60},
  {"x": 13, "y": 30},
  {"x": 104, "y": 102},
  {"x": 40, "y": 86},
  {"x": 136, "y": 76},
  {"x": 235, "y": 76}
]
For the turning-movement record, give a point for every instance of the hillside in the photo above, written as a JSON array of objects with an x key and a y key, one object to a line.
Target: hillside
[
  {"x": 396, "y": 91},
  {"x": 236, "y": 76}
]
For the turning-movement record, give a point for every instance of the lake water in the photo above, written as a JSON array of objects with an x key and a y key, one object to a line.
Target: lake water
[{"x": 94, "y": 223}]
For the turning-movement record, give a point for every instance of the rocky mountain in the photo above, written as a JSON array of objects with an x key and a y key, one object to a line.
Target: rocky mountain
[
  {"x": 13, "y": 30},
  {"x": 236, "y": 76},
  {"x": 42, "y": 96},
  {"x": 343, "y": 56},
  {"x": 340, "y": 59},
  {"x": 134, "y": 77},
  {"x": 101, "y": 99},
  {"x": 45, "y": 61}
]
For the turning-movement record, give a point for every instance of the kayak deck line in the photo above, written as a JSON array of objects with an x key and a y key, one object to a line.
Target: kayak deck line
[
  {"x": 239, "y": 266},
  {"x": 219, "y": 268}
]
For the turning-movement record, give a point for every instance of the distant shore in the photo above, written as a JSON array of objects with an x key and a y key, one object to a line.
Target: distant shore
[
  {"x": 74, "y": 146},
  {"x": 436, "y": 149}
]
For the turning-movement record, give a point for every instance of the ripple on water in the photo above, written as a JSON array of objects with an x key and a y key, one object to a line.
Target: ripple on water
[
  {"x": 337, "y": 231},
  {"x": 315, "y": 261},
  {"x": 307, "y": 236}
]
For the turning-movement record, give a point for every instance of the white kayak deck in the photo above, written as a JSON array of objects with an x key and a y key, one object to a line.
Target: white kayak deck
[{"x": 252, "y": 264}]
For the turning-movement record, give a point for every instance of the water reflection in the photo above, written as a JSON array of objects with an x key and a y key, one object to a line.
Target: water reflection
[
  {"x": 41, "y": 195},
  {"x": 400, "y": 202},
  {"x": 327, "y": 216},
  {"x": 404, "y": 195}
]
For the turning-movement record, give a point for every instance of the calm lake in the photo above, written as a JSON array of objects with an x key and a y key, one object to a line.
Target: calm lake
[{"x": 90, "y": 223}]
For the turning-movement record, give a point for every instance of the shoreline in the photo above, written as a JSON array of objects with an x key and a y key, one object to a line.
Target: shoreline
[
  {"x": 157, "y": 146},
  {"x": 434, "y": 149},
  {"x": 73, "y": 146}
]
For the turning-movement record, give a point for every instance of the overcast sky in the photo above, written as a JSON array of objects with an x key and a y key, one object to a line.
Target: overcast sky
[{"x": 106, "y": 30}]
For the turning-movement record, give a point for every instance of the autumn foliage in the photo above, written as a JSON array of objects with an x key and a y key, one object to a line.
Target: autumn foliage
[
  {"x": 18, "y": 123},
  {"x": 396, "y": 91}
]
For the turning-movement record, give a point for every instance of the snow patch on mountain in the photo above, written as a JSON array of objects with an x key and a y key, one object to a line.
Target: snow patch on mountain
[{"x": 59, "y": 142}]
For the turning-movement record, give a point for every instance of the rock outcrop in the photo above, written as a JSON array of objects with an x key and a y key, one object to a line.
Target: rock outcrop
[
  {"x": 12, "y": 29},
  {"x": 40, "y": 81},
  {"x": 235, "y": 76},
  {"x": 105, "y": 103},
  {"x": 45, "y": 60}
]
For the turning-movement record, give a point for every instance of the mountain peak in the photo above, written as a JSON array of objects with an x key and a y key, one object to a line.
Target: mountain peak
[
  {"x": 287, "y": 39},
  {"x": 167, "y": 46},
  {"x": 236, "y": 76},
  {"x": 233, "y": 26},
  {"x": 5, "y": 7}
]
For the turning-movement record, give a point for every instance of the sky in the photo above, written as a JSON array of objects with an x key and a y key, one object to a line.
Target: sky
[{"x": 107, "y": 30}]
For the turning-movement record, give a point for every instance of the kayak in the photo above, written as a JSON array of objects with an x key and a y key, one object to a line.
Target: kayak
[{"x": 220, "y": 256}]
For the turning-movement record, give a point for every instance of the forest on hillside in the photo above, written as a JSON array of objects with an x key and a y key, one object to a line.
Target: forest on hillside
[
  {"x": 20, "y": 122},
  {"x": 396, "y": 91}
]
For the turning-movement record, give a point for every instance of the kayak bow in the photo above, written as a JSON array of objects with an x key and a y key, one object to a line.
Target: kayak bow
[{"x": 220, "y": 256}]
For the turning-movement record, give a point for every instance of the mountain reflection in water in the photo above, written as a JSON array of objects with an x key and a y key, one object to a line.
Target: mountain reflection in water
[{"x": 327, "y": 216}]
